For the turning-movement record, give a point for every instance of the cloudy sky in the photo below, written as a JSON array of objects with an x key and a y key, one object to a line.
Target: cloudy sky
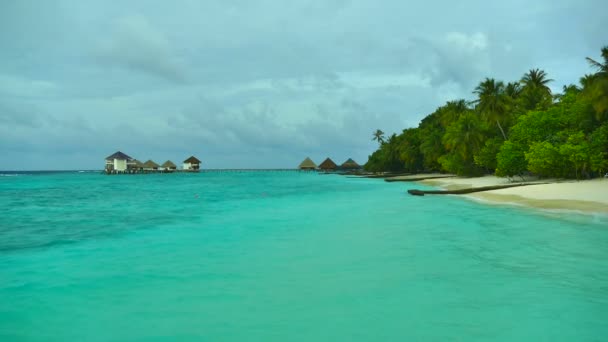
[{"x": 243, "y": 83}]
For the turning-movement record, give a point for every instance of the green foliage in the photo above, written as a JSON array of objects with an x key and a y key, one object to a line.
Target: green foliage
[
  {"x": 538, "y": 126},
  {"x": 511, "y": 160},
  {"x": 545, "y": 159},
  {"x": 578, "y": 151},
  {"x": 493, "y": 102},
  {"x": 409, "y": 148},
  {"x": 597, "y": 94},
  {"x": 486, "y": 157},
  {"x": 598, "y": 144},
  {"x": 535, "y": 94},
  {"x": 431, "y": 147},
  {"x": 463, "y": 139},
  {"x": 398, "y": 154},
  {"x": 465, "y": 136},
  {"x": 455, "y": 163},
  {"x": 378, "y": 136},
  {"x": 595, "y": 87}
]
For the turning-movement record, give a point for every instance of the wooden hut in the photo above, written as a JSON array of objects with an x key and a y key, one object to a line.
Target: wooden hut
[
  {"x": 307, "y": 164},
  {"x": 150, "y": 166},
  {"x": 192, "y": 164},
  {"x": 169, "y": 166},
  {"x": 350, "y": 165},
  {"x": 118, "y": 162},
  {"x": 328, "y": 165},
  {"x": 137, "y": 165}
]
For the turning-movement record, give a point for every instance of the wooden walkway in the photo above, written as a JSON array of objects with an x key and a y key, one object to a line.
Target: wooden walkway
[
  {"x": 255, "y": 170},
  {"x": 143, "y": 172}
]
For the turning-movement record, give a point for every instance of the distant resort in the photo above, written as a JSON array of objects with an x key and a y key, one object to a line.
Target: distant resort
[
  {"x": 121, "y": 163},
  {"x": 329, "y": 165}
]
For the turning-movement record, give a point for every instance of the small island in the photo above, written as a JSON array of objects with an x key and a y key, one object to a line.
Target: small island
[{"x": 508, "y": 139}]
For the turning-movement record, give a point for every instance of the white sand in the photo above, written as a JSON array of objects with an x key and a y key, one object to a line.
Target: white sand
[
  {"x": 588, "y": 195},
  {"x": 460, "y": 182}
]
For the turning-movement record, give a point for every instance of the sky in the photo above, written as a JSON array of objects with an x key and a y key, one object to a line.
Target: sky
[{"x": 260, "y": 84}]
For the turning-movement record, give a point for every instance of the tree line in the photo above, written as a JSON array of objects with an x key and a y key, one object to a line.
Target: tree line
[{"x": 509, "y": 129}]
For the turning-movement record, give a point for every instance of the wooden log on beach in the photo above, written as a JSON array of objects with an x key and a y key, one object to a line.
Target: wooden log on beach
[
  {"x": 371, "y": 175},
  {"x": 414, "y": 179},
  {"x": 417, "y": 192}
]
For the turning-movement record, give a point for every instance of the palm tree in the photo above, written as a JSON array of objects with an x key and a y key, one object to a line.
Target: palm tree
[
  {"x": 536, "y": 78},
  {"x": 513, "y": 90},
  {"x": 465, "y": 136},
  {"x": 492, "y": 102},
  {"x": 535, "y": 90},
  {"x": 378, "y": 136},
  {"x": 596, "y": 85},
  {"x": 587, "y": 80},
  {"x": 601, "y": 67},
  {"x": 452, "y": 111}
]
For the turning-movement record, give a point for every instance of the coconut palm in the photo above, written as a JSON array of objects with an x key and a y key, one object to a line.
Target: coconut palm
[
  {"x": 465, "y": 136},
  {"x": 492, "y": 102},
  {"x": 452, "y": 111},
  {"x": 587, "y": 80},
  {"x": 601, "y": 67},
  {"x": 535, "y": 91},
  {"x": 513, "y": 90},
  {"x": 536, "y": 78},
  {"x": 378, "y": 136},
  {"x": 596, "y": 85}
]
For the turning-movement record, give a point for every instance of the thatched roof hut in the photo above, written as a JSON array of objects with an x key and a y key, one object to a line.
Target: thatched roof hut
[
  {"x": 307, "y": 164},
  {"x": 169, "y": 165},
  {"x": 350, "y": 165},
  {"x": 118, "y": 162},
  {"x": 192, "y": 160},
  {"x": 118, "y": 156},
  {"x": 328, "y": 164},
  {"x": 151, "y": 165},
  {"x": 191, "y": 163},
  {"x": 137, "y": 164}
]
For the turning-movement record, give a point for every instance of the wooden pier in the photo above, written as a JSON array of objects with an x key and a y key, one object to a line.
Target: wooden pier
[{"x": 140, "y": 172}]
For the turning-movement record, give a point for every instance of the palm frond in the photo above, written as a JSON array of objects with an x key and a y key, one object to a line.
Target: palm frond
[{"x": 594, "y": 63}]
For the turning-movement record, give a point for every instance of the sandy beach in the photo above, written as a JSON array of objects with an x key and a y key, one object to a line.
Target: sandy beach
[{"x": 585, "y": 196}]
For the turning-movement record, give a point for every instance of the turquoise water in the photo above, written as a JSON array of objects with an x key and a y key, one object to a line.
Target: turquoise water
[{"x": 288, "y": 257}]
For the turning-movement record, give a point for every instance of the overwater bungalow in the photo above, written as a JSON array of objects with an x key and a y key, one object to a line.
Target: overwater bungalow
[
  {"x": 169, "y": 166},
  {"x": 119, "y": 162},
  {"x": 350, "y": 165},
  {"x": 192, "y": 164},
  {"x": 328, "y": 165},
  {"x": 150, "y": 166},
  {"x": 137, "y": 165},
  {"x": 307, "y": 164}
]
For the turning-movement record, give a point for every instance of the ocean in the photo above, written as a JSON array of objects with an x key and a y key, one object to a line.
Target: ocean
[{"x": 288, "y": 256}]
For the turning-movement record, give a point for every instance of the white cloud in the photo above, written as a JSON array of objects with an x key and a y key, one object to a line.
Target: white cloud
[
  {"x": 135, "y": 44},
  {"x": 17, "y": 86},
  {"x": 475, "y": 42}
]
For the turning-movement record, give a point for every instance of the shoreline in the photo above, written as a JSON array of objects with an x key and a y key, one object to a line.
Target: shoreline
[{"x": 586, "y": 196}]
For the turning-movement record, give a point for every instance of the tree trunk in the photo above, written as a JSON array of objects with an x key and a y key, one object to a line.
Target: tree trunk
[{"x": 501, "y": 130}]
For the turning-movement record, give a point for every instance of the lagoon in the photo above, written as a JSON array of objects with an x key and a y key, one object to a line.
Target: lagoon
[{"x": 275, "y": 256}]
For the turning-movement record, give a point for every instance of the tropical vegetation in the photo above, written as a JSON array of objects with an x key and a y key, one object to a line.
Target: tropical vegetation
[{"x": 509, "y": 129}]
